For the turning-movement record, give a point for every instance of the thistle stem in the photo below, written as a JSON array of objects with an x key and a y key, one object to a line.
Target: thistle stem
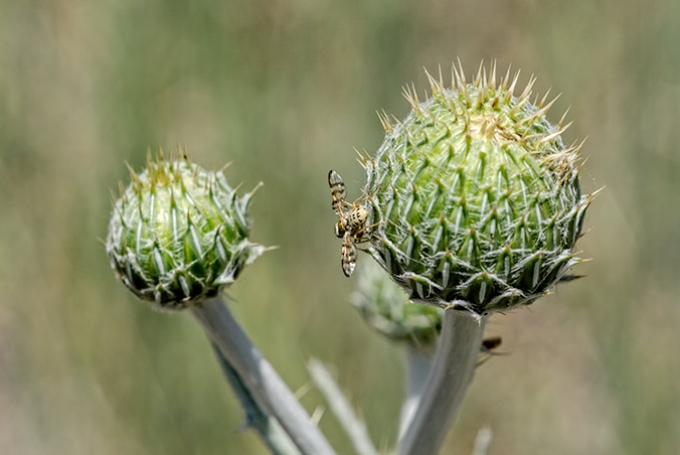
[
  {"x": 418, "y": 365},
  {"x": 449, "y": 378},
  {"x": 482, "y": 442},
  {"x": 268, "y": 389},
  {"x": 270, "y": 431},
  {"x": 354, "y": 427}
]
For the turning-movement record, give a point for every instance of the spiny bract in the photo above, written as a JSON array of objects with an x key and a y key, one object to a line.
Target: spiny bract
[
  {"x": 475, "y": 198},
  {"x": 178, "y": 233}
]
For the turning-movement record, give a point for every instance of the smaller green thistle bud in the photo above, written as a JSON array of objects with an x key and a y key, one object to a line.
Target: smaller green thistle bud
[
  {"x": 475, "y": 198},
  {"x": 178, "y": 233},
  {"x": 385, "y": 308}
]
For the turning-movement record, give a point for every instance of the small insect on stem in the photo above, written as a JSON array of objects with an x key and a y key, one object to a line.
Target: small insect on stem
[
  {"x": 488, "y": 347},
  {"x": 491, "y": 343},
  {"x": 351, "y": 222}
]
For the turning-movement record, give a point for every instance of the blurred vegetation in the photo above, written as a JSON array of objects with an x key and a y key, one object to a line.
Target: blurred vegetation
[{"x": 285, "y": 90}]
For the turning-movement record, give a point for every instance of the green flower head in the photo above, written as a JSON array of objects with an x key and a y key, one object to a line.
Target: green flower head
[
  {"x": 474, "y": 197},
  {"x": 178, "y": 233}
]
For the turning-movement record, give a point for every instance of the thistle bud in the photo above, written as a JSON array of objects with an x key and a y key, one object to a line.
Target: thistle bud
[
  {"x": 474, "y": 198},
  {"x": 386, "y": 309},
  {"x": 178, "y": 233}
]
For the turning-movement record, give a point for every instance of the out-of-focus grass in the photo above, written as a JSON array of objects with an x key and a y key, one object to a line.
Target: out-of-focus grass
[{"x": 285, "y": 90}]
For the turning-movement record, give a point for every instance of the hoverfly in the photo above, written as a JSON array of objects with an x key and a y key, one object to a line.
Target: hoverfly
[{"x": 350, "y": 225}]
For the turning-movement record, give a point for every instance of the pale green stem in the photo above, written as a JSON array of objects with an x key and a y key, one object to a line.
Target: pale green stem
[
  {"x": 447, "y": 383},
  {"x": 340, "y": 406},
  {"x": 482, "y": 442},
  {"x": 268, "y": 389},
  {"x": 418, "y": 364},
  {"x": 269, "y": 430}
]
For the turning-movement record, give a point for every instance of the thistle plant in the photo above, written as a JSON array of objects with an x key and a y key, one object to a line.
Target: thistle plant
[
  {"x": 178, "y": 236},
  {"x": 472, "y": 206},
  {"x": 477, "y": 207},
  {"x": 476, "y": 198},
  {"x": 179, "y": 233}
]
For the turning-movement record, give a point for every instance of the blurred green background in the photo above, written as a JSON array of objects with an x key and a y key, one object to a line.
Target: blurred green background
[{"x": 285, "y": 90}]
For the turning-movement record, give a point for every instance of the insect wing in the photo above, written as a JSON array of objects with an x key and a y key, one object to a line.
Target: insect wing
[
  {"x": 338, "y": 192},
  {"x": 349, "y": 255}
]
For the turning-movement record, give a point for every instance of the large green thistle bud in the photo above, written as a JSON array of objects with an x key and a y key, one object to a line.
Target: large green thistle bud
[
  {"x": 474, "y": 198},
  {"x": 178, "y": 233}
]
